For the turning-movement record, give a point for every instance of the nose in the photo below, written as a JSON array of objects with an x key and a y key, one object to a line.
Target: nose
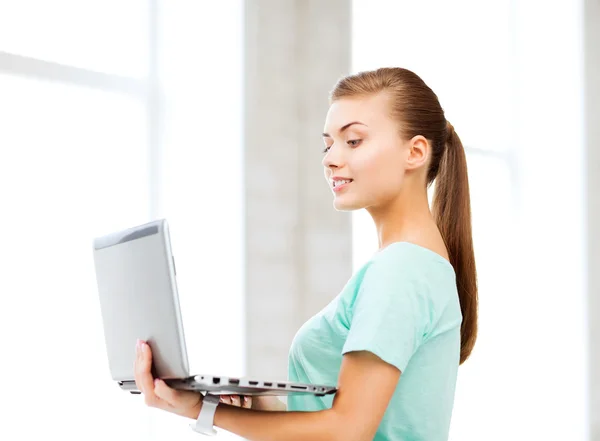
[{"x": 332, "y": 158}]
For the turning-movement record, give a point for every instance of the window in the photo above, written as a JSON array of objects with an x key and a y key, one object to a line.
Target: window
[
  {"x": 113, "y": 114},
  {"x": 74, "y": 162},
  {"x": 102, "y": 36}
]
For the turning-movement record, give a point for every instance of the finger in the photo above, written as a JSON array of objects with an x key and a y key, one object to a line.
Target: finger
[
  {"x": 235, "y": 400},
  {"x": 137, "y": 368},
  {"x": 226, "y": 399},
  {"x": 143, "y": 375},
  {"x": 247, "y": 402}
]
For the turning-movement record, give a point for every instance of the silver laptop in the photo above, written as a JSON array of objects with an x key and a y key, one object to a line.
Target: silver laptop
[{"x": 136, "y": 278}]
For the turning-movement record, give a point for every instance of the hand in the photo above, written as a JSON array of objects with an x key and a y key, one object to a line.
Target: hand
[
  {"x": 157, "y": 393},
  {"x": 237, "y": 400}
]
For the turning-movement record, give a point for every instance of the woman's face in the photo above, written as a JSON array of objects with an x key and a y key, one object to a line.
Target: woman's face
[{"x": 363, "y": 145}]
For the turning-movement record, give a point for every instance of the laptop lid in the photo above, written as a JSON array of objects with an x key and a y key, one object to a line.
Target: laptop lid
[{"x": 135, "y": 274}]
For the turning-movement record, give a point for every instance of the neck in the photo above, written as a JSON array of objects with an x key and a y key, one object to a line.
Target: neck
[{"x": 406, "y": 218}]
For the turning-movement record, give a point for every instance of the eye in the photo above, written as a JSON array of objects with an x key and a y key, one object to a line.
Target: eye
[
  {"x": 354, "y": 142},
  {"x": 326, "y": 149}
]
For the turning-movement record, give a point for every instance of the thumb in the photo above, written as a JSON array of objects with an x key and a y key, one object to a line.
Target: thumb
[{"x": 165, "y": 392}]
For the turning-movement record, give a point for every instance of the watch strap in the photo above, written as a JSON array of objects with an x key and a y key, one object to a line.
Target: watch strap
[{"x": 204, "y": 423}]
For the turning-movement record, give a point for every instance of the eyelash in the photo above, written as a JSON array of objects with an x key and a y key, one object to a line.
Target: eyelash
[{"x": 326, "y": 149}]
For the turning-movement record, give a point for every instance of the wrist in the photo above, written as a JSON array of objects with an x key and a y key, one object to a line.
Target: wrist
[{"x": 194, "y": 411}]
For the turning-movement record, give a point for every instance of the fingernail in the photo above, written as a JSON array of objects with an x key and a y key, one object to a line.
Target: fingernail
[
  {"x": 156, "y": 381},
  {"x": 245, "y": 399},
  {"x": 144, "y": 347}
]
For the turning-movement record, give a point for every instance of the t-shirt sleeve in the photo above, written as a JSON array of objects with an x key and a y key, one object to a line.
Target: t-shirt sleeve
[{"x": 390, "y": 314}]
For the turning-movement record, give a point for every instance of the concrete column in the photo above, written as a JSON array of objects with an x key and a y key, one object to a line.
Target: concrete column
[
  {"x": 298, "y": 248},
  {"x": 592, "y": 111}
]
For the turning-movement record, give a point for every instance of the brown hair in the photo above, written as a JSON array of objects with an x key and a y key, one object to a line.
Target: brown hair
[{"x": 417, "y": 109}]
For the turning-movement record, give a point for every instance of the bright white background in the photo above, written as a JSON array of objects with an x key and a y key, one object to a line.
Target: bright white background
[
  {"x": 82, "y": 154},
  {"x": 509, "y": 76},
  {"x": 112, "y": 114}
]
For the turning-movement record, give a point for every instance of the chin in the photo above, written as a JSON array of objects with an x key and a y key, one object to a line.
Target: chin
[{"x": 345, "y": 205}]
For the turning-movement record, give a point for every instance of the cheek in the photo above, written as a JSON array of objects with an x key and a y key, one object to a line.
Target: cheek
[
  {"x": 379, "y": 170},
  {"x": 367, "y": 161}
]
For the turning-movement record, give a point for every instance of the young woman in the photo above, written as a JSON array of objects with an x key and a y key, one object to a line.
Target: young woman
[{"x": 393, "y": 339}]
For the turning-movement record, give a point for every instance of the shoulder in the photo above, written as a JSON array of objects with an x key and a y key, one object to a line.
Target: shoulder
[
  {"x": 405, "y": 273},
  {"x": 405, "y": 261}
]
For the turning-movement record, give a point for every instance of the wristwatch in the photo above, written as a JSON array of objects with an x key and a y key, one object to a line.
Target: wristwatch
[{"x": 204, "y": 423}]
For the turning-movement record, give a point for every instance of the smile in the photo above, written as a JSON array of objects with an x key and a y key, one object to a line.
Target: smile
[{"x": 339, "y": 185}]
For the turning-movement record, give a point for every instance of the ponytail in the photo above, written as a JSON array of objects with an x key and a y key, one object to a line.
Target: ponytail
[{"x": 452, "y": 213}]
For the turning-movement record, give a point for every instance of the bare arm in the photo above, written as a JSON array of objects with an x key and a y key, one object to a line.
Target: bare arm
[{"x": 354, "y": 416}]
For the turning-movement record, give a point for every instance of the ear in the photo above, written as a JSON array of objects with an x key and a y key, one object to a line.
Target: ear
[{"x": 418, "y": 152}]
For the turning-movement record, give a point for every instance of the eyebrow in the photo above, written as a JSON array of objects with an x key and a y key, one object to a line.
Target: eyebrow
[{"x": 327, "y": 135}]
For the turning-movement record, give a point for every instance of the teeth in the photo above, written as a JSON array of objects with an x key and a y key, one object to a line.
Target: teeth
[{"x": 338, "y": 183}]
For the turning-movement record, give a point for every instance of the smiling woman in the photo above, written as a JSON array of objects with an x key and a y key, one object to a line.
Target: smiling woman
[
  {"x": 396, "y": 144},
  {"x": 407, "y": 318}
]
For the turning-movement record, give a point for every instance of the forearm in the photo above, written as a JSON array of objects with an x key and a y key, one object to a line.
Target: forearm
[{"x": 257, "y": 425}]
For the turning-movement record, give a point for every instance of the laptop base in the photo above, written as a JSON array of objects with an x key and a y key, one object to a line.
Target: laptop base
[{"x": 218, "y": 385}]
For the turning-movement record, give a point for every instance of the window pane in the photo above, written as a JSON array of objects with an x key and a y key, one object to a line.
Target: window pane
[
  {"x": 73, "y": 164},
  {"x": 107, "y": 36}
]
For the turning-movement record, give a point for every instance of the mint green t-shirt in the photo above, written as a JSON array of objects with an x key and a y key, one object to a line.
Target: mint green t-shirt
[{"x": 402, "y": 306}]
